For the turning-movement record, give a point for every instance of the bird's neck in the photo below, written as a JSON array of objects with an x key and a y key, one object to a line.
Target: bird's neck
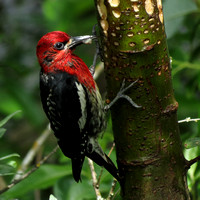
[{"x": 74, "y": 66}]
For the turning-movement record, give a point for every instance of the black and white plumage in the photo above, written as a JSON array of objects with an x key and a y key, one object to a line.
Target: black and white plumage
[{"x": 77, "y": 117}]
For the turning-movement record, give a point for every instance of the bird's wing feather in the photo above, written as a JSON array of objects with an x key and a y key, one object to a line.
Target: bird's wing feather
[{"x": 61, "y": 96}]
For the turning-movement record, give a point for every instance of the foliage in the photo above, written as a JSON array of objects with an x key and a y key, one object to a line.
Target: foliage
[
  {"x": 182, "y": 27},
  {"x": 52, "y": 197},
  {"x": 7, "y": 163},
  {"x": 22, "y": 25}
]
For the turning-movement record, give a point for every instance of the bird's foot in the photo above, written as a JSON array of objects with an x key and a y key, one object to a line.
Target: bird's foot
[
  {"x": 121, "y": 94},
  {"x": 97, "y": 52}
]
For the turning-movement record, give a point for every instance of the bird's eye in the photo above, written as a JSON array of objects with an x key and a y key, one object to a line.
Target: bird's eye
[{"x": 59, "y": 45}]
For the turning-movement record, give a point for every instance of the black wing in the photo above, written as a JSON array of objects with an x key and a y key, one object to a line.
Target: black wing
[{"x": 65, "y": 106}]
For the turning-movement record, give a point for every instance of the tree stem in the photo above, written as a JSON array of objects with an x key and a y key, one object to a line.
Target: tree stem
[{"x": 148, "y": 145}]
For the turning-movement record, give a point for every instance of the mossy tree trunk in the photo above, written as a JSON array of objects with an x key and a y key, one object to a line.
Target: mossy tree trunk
[{"x": 148, "y": 145}]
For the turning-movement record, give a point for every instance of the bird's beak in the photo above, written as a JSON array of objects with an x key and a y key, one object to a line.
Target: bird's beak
[{"x": 75, "y": 41}]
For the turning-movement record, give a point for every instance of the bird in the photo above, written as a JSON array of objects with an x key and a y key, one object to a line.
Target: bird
[{"x": 72, "y": 101}]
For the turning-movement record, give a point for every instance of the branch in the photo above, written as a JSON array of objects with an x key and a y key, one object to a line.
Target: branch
[
  {"x": 114, "y": 196},
  {"x": 111, "y": 193},
  {"x": 98, "y": 182},
  {"x": 94, "y": 180},
  {"x": 191, "y": 162},
  {"x": 31, "y": 153},
  {"x": 188, "y": 119},
  {"x": 98, "y": 70},
  {"x": 30, "y": 171}
]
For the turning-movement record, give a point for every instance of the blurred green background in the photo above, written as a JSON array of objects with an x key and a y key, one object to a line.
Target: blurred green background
[{"x": 22, "y": 23}]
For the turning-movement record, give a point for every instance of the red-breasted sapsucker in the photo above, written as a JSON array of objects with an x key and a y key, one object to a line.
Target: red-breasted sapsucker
[{"x": 71, "y": 100}]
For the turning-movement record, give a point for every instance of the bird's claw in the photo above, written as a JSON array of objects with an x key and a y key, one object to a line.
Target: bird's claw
[
  {"x": 97, "y": 53},
  {"x": 94, "y": 30},
  {"x": 121, "y": 94},
  {"x": 123, "y": 88}
]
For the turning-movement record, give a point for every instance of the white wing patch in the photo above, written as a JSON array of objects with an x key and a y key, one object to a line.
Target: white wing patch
[{"x": 81, "y": 94}]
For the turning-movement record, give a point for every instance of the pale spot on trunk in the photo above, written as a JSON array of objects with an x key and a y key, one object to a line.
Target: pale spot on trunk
[
  {"x": 104, "y": 26},
  {"x": 149, "y": 7},
  {"x": 159, "y": 5},
  {"x": 114, "y": 3},
  {"x": 135, "y": 7},
  {"x": 116, "y": 13},
  {"x": 102, "y": 10}
]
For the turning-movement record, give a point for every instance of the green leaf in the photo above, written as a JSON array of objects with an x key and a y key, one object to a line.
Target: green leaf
[
  {"x": 52, "y": 197},
  {"x": 5, "y": 120},
  {"x": 192, "y": 142},
  {"x": 67, "y": 188},
  {"x": 10, "y": 156},
  {"x": 191, "y": 154},
  {"x": 12, "y": 163},
  {"x": 6, "y": 170},
  {"x": 2, "y": 131},
  {"x": 174, "y": 17},
  {"x": 42, "y": 178}
]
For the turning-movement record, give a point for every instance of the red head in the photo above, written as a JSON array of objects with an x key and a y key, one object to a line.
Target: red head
[
  {"x": 55, "y": 53},
  {"x": 48, "y": 46}
]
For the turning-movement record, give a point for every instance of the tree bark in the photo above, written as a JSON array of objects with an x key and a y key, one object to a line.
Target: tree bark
[{"x": 148, "y": 145}]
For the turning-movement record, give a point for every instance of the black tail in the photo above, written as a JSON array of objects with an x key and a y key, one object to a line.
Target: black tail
[
  {"x": 73, "y": 152},
  {"x": 100, "y": 158},
  {"x": 77, "y": 165}
]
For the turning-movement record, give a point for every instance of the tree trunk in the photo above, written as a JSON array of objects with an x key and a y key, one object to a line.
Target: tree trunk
[{"x": 148, "y": 145}]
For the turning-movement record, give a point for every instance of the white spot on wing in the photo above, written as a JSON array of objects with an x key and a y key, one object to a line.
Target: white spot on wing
[{"x": 81, "y": 94}]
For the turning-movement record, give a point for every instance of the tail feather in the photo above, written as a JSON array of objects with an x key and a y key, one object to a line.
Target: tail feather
[
  {"x": 77, "y": 158},
  {"x": 100, "y": 158},
  {"x": 77, "y": 165}
]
